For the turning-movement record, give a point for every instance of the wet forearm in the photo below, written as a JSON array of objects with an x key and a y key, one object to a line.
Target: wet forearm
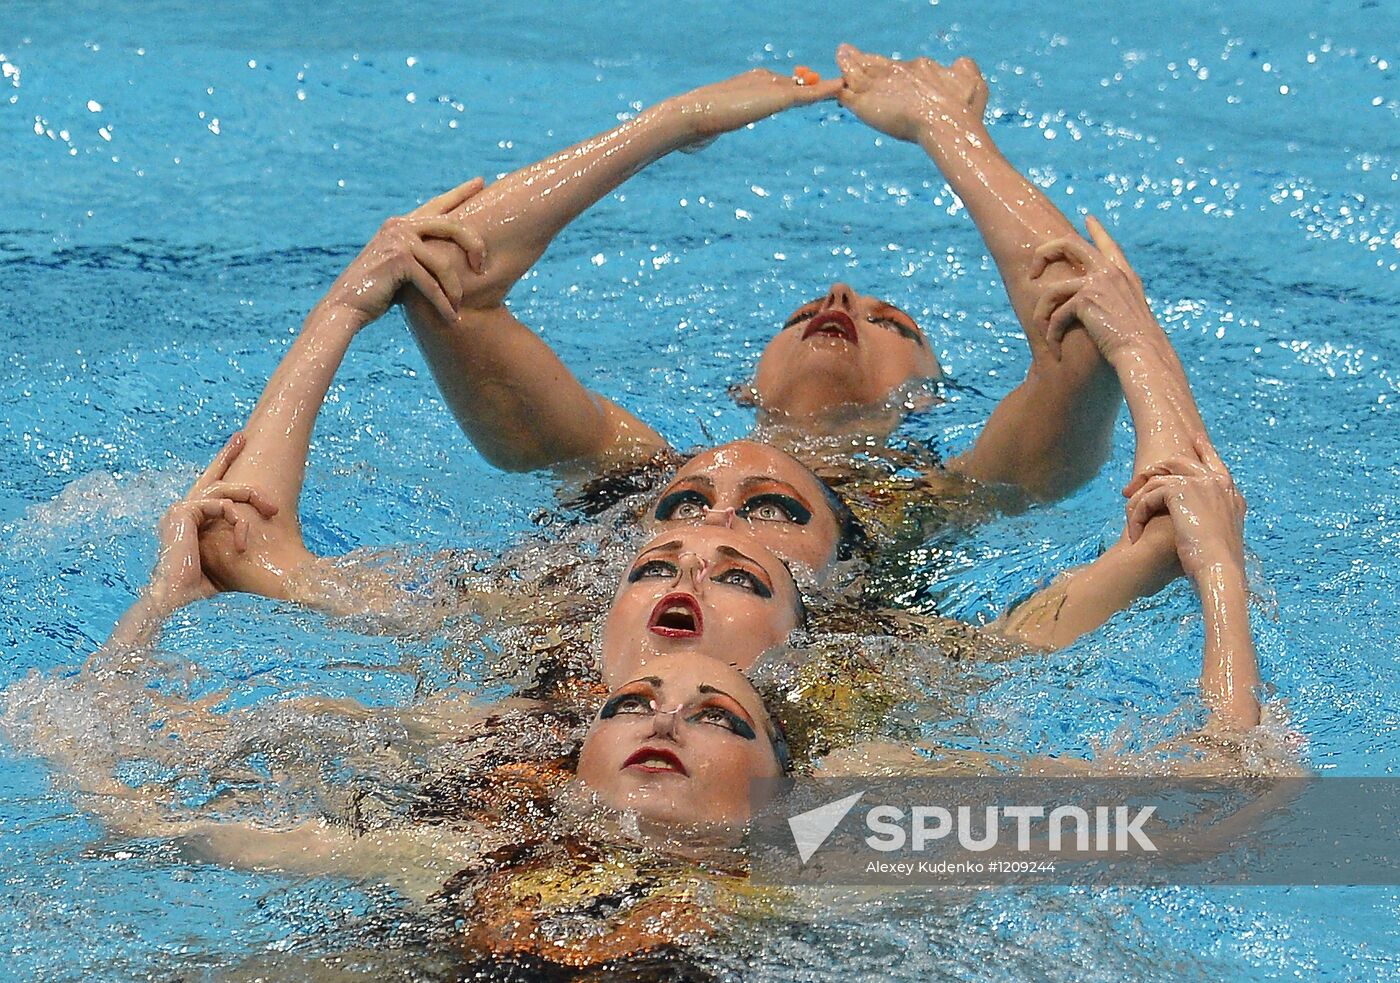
[
  {"x": 1230, "y": 667},
  {"x": 1166, "y": 420},
  {"x": 516, "y": 400},
  {"x": 1013, "y": 215},
  {"x": 1050, "y": 434},
  {"x": 279, "y": 430},
  {"x": 1053, "y": 432},
  {"x": 520, "y": 214},
  {"x": 278, "y": 435},
  {"x": 136, "y": 630},
  {"x": 513, "y": 397},
  {"x": 1082, "y": 599}
]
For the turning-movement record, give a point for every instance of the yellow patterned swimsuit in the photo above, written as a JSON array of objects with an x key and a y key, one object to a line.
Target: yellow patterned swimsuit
[{"x": 574, "y": 903}]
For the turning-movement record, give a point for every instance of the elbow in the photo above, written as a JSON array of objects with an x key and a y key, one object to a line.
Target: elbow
[
  {"x": 521, "y": 432},
  {"x": 517, "y": 460},
  {"x": 1076, "y": 462},
  {"x": 517, "y": 452},
  {"x": 1055, "y": 483},
  {"x": 263, "y": 565},
  {"x": 522, "y": 457}
]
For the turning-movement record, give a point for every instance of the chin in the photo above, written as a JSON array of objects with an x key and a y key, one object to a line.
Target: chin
[
  {"x": 810, "y": 394},
  {"x": 698, "y": 827},
  {"x": 659, "y": 810},
  {"x": 819, "y": 404}
]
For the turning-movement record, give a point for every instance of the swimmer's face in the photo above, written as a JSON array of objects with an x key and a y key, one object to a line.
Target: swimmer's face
[
  {"x": 759, "y": 490},
  {"x": 843, "y": 349},
  {"x": 680, "y": 743},
  {"x": 705, "y": 590}
]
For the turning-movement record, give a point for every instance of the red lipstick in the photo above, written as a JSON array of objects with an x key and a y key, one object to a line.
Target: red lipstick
[
  {"x": 655, "y": 760},
  {"x": 677, "y": 615},
  {"x": 832, "y": 324}
]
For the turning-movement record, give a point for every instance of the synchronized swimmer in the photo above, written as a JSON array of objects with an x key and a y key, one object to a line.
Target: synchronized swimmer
[{"x": 740, "y": 546}]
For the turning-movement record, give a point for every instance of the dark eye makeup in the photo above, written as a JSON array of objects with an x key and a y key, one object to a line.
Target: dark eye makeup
[
  {"x": 651, "y": 568},
  {"x": 727, "y": 719},
  {"x": 625, "y": 703},
  {"x": 793, "y": 510},
  {"x": 643, "y": 703},
  {"x": 898, "y": 326},
  {"x": 739, "y": 577},
  {"x": 670, "y": 504}
]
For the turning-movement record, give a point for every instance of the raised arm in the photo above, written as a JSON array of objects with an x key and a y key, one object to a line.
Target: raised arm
[
  {"x": 1207, "y": 515},
  {"x": 1144, "y": 560},
  {"x": 1053, "y": 432},
  {"x": 516, "y": 401},
  {"x": 1184, "y": 514},
  {"x": 1104, "y": 300},
  {"x": 271, "y": 559},
  {"x": 1197, "y": 497}
]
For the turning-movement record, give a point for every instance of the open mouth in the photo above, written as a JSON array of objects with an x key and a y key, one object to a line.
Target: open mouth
[
  {"x": 677, "y": 616},
  {"x": 655, "y": 760},
  {"x": 831, "y": 324}
]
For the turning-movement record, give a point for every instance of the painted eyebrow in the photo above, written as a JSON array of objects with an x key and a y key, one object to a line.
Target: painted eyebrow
[
  {"x": 731, "y": 551},
  {"x": 695, "y": 479},
  {"x": 673, "y": 544},
  {"x": 766, "y": 578},
  {"x": 750, "y": 483},
  {"x": 654, "y": 680}
]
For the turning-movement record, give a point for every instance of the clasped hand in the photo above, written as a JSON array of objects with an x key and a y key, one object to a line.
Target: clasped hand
[{"x": 431, "y": 249}]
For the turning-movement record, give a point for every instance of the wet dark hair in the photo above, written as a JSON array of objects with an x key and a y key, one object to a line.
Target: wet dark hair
[
  {"x": 851, "y": 535},
  {"x": 797, "y": 592},
  {"x": 777, "y": 737},
  {"x": 623, "y": 481},
  {"x": 672, "y": 962}
]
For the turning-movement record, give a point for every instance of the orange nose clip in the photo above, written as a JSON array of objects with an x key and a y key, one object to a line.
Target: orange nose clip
[{"x": 805, "y": 76}]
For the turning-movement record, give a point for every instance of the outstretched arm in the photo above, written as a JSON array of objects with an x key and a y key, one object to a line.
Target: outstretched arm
[
  {"x": 516, "y": 401},
  {"x": 1196, "y": 496},
  {"x": 1052, "y": 433},
  {"x": 1104, "y": 298},
  {"x": 1207, "y": 515},
  {"x": 272, "y": 559},
  {"x": 415, "y": 859}
]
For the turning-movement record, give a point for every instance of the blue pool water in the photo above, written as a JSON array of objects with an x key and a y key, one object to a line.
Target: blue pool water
[{"x": 179, "y": 186}]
